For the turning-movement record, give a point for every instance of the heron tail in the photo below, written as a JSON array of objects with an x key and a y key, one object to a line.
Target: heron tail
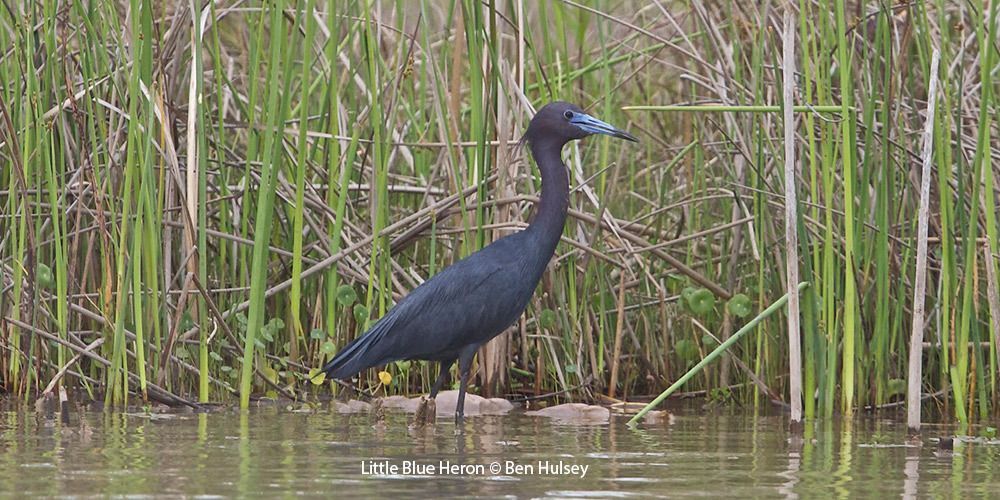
[
  {"x": 363, "y": 352},
  {"x": 349, "y": 360}
]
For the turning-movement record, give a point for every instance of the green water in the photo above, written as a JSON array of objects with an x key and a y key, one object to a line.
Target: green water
[{"x": 278, "y": 452}]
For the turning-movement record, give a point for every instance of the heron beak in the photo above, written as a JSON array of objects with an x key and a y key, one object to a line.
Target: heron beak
[{"x": 594, "y": 126}]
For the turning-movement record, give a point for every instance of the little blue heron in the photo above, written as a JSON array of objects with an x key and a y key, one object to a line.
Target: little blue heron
[{"x": 452, "y": 314}]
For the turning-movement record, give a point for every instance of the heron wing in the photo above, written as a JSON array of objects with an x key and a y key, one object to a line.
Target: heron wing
[{"x": 436, "y": 318}]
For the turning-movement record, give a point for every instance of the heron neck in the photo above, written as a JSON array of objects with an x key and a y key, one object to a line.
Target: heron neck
[{"x": 551, "y": 216}]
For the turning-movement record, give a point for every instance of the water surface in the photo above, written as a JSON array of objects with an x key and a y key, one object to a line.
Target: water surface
[{"x": 289, "y": 451}]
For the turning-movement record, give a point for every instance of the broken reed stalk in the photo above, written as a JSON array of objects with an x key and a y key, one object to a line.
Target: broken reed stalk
[
  {"x": 722, "y": 108},
  {"x": 791, "y": 236},
  {"x": 749, "y": 326},
  {"x": 619, "y": 329},
  {"x": 915, "y": 368}
]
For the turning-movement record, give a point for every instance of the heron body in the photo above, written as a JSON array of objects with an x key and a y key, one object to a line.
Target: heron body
[{"x": 452, "y": 314}]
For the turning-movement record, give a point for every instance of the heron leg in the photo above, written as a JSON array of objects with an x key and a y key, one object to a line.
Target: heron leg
[
  {"x": 445, "y": 368},
  {"x": 464, "y": 367}
]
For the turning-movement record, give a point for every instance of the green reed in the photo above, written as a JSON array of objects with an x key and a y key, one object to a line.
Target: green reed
[{"x": 317, "y": 142}]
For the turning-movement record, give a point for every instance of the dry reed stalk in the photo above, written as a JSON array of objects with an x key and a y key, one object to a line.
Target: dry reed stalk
[
  {"x": 791, "y": 233},
  {"x": 914, "y": 366},
  {"x": 619, "y": 330}
]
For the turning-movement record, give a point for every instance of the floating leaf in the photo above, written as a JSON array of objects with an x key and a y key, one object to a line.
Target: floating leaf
[
  {"x": 701, "y": 301},
  {"x": 547, "y": 318},
  {"x": 708, "y": 341},
  {"x": 719, "y": 394},
  {"x": 317, "y": 334},
  {"x": 43, "y": 274},
  {"x": 186, "y": 322},
  {"x": 896, "y": 386},
  {"x": 385, "y": 377},
  {"x": 403, "y": 365},
  {"x": 268, "y": 331},
  {"x": 609, "y": 301},
  {"x": 570, "y": 368},
  {"x": 317, "y": 376},
  {"x": 214, "y": 355},
  {"x": 268, "y": 372},
  {"x": 328, "y": 347},
  {"x": 686, "y": 350},
  {"x": 687, "y": 292},
  {"x": 990, "y": 432},
  {"x": 275, "y": 325},
  {"x": 360, "y": 313},
  {"x": 739, "y": 305},
  {"x": 346, "y": 295}
]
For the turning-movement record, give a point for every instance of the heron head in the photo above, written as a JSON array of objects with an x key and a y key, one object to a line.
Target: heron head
[{"x": 564, "y": 122}]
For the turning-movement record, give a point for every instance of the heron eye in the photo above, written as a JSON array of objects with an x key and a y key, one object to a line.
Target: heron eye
[{"x": 568, "y": 115}]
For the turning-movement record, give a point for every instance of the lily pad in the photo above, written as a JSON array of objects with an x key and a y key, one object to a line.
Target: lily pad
[
  {"x": 686, "y": 350},
  {"x": 272, "y": 327},
  {"x": 346, "y": 295},
  {"x": 360, "y": 313},
  {"x": 896, "y": 386},
  {"x": 547, "y": 318},
  {"x": 187, "y": 322},
  {"x": 328, "y": 347},
  {"x": 739, "y": 305},
  {"x": 702, "y": 301},
  {"x": 43, "y": 274}
]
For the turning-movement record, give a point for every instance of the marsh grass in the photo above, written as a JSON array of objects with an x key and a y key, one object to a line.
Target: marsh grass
[{"x": 211, "y": 223}]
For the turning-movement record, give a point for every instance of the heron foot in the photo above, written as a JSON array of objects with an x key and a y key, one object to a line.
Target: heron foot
[
  {"x": 431, "y": 411},
  {"x": 426, "y": 413}
]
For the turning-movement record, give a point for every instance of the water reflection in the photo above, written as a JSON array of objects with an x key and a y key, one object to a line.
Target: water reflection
[
  {"x": 911, "y": 472},
  {"x": 842, "y": 474},
  {"x": 275, "y": 451},
  {"x": 791, "y": 472}
]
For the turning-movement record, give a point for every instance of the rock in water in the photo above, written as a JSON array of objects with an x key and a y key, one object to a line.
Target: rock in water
[
  {"x": 574, "y": 413},
  {"x": 474, "y": 405}
]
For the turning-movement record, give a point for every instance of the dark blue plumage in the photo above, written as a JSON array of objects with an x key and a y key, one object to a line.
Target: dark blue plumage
[{"x": 452, "y": 314}]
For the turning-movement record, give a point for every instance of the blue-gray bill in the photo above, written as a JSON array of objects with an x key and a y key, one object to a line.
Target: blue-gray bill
[{"x": 595, "y": 126}]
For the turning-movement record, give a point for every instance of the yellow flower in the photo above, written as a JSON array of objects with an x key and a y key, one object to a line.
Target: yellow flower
[{"x": 385, "y": 378}]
